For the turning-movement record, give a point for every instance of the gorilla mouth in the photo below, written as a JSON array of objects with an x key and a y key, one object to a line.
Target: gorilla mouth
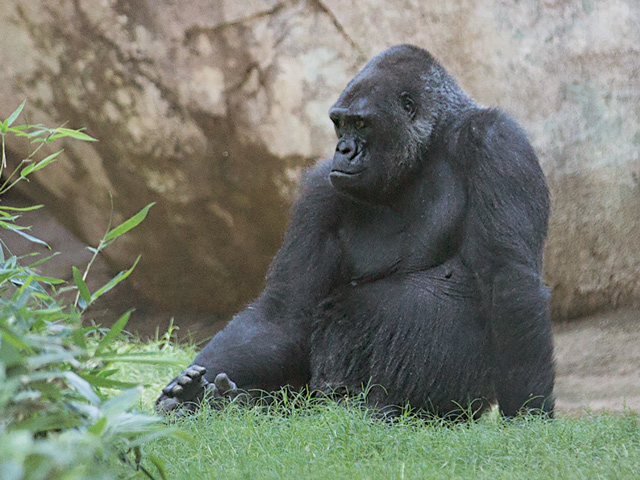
[
  {"x": 344, "y": 179},
  {"x": 344, "y": 173}
]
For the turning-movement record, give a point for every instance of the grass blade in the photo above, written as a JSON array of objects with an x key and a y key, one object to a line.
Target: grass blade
[{"x": 147, "y": 358}]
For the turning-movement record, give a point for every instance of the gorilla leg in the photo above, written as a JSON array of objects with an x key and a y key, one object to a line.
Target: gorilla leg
[
  {"x": 247, "y": 355},
  {"x": 523, "y": 347}
]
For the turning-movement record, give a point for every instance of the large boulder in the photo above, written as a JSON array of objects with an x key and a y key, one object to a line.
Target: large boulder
[{"x": 212, "y": 108}]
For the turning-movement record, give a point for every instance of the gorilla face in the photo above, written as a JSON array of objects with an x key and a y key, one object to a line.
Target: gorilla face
[
  {"x": 382, "y": 119},
  {"x": 370, "y": 159}
]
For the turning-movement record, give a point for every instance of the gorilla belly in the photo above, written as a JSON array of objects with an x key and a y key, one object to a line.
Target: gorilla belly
[{"x": 367, "y": 336}]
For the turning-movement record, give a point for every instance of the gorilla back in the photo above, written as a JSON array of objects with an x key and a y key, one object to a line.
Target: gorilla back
[{"x": 411, "y": 262}]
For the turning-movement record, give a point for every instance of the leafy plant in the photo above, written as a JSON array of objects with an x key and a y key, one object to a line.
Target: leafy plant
[{"x": 57, "y": 414}]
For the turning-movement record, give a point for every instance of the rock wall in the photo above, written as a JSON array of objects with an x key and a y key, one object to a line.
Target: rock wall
[{"x": 211, "y": 108}]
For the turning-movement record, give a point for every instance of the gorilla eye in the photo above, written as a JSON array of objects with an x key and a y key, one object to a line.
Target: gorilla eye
[
  {"x": 408, "y": 103},
  {"x": 338, "y": 121},
  {"x": 360, "y": 124}
]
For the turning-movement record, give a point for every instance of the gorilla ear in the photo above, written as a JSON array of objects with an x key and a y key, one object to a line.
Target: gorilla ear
[{"x": 408, "y": 104}]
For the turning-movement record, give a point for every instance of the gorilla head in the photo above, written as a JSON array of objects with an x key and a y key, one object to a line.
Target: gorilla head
[{"x": 385, "y": 120}]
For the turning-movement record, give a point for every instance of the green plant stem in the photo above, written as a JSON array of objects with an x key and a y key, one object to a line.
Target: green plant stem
[
  {"x": 101, "y": 246},
  {"x": 3, "y": 164},
  {"x": 4, "y": 188}
]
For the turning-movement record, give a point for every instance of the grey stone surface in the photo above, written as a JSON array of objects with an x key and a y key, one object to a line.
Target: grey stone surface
[
  {"x": 211, "y": 109},
  {"x": 598, "y": 363}
]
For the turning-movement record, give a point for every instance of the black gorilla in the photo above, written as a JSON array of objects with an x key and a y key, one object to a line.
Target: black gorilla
[{"x": 412, "y": 260}]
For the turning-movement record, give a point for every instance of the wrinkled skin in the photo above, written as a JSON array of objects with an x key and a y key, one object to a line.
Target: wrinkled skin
[{"x": 411, "y": 262}]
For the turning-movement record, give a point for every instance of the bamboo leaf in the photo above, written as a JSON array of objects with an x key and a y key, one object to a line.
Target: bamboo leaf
[
  {"x": 39, "y": 132},
  {"x": 98, "y": 427},
  {"x": 12, "y": 118},
  {"x": 48, "y": 421},
  {"x": 10, "y": 337},
  {"x": 82, "y": 386},
  {"x": 113, "y": 332},
  {"x": 68, "y": 132},
  {"x": 78, "y": 338},
  {"x": 129, "y": 224},
  {"x": 47, "y": 280},
  {"x": 122, "y": 402},
  {"x": 82, "y": 286},
  {"x": 34, "y": 167},
  {"x": 114, "y": 281},
  {"x": 27, "y": 236},
  {"x": 39, "y": 361},
  {"x": 8, "y": 224},
  {"x": 22, "y": 209},
  {"x": 19, "y": 130},
  {"x": 9, "y": 354},
  {"x": 42, "y": 260},
  {"x": 98, "y": 381}
]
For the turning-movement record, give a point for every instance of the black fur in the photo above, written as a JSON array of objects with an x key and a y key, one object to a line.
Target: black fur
[{"x": 412, "y": 260}]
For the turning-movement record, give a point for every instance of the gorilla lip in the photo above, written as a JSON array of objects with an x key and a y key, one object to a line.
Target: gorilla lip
[{"x": 342, "y": 173}]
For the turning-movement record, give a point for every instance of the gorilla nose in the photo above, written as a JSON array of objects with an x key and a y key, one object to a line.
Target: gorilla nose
[{"x": 347, "y": 148}]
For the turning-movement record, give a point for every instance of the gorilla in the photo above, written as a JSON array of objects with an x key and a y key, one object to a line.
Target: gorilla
[{"x": 411, "y": 263}]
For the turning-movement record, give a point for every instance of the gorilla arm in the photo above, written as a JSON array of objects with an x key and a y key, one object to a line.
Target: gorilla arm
[
  {"x": 266, "y": 345},
  {"x": 504, "y": 241}
]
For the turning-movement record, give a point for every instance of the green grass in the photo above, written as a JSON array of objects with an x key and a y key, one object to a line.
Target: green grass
[{"x": 323, "y": 440}]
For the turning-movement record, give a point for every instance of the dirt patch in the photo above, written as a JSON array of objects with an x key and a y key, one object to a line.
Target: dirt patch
[{"x": 598, "y": 362}]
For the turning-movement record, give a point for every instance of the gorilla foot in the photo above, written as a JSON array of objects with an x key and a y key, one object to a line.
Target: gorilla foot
[{"x": 186, "y": 391}]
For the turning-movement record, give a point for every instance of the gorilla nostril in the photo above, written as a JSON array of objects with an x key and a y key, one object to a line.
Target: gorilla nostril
[
  {"x": 343, "y": 147},
  {"x": 347, "y": 148}
]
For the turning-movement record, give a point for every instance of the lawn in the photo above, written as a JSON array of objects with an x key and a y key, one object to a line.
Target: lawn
[{"x": 301, "y": 438}]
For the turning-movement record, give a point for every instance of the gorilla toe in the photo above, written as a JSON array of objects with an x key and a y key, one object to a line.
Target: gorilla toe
[
  {"x": 224, "y": 387},
  {"x": 185, "y": 391}
]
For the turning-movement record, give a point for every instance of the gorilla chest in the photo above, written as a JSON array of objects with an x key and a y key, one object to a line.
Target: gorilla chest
[{"x": 372, "y": 243}]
